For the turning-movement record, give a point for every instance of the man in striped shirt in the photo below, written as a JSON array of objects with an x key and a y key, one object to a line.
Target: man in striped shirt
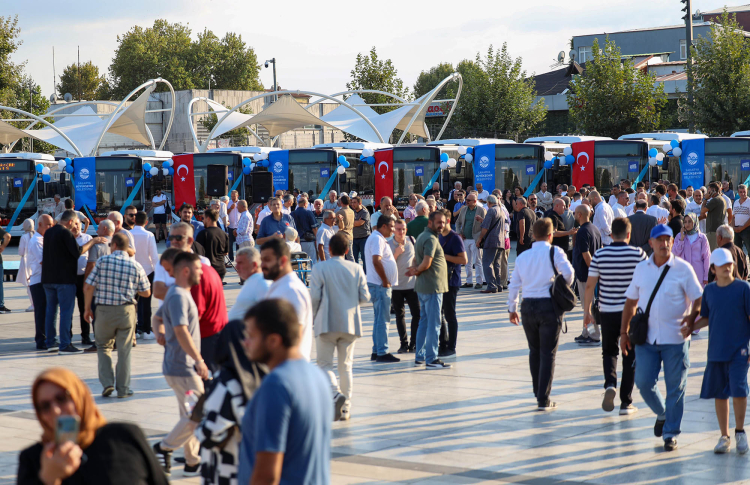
[{"x": 612, "y": 269}]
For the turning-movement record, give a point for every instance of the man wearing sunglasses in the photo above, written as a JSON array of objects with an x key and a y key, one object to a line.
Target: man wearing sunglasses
[
  {"x": 180, "y": 237},
  {"x": 129, "y": 218}
]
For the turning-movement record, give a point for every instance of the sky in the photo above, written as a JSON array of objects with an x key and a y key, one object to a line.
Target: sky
[{"x": 316, "y": 43}]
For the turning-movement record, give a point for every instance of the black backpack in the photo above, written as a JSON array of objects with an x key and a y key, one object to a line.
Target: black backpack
[{"x": 562, "y": 295}]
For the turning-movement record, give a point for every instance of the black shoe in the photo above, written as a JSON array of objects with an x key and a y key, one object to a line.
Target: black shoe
[
  {"x": 418, "y": 363},
  {"x": 670, "y": 444},
  {"x": 488, "y": 291},
  {"x": 164, "y": 457},
  {"x": 373, "y": 356},
  {"x": 338, "y": 404},
  {"x": 387, "y": 358},
  {"x": 69, "y": 350},
  {"x": 4, "y": 309},
  {"x": 191, "y": 470},
  {"x": 447, "y": 354},
  {"x": 466, "y": 285},
  {"x": 412, "y": 348},
  {"x": 42, "y": 348},
  {"x": 505, "y": 287},
  {"x": 90, "y": 350},
  {"x": 580, "y": 339},
  {"x": 438, "y": 364},
  {"x": 550, "y": 406},
  {"x": 54, "y": 348},
  {"x": 86, "y": 341},
  {"x": 659, "y": 428},
  {"x": 108, "y": 391},
  {"x": 403, "y": 349},
  {"x": 393, "y": 310}
]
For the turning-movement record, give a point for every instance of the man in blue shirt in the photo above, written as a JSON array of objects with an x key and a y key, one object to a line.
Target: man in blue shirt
[
  {"x": 275, "y": 224},
  {"x": 307, "y": 227},
  {"x": 286, "y": 429},
  {"x": 726, "y": 310},
  {"x": 455, "y": 256}
]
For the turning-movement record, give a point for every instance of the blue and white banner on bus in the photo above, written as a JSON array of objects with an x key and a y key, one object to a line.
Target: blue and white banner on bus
[
  {"x": 129, "y": 182},
  {"x": 632, "y": 166},
  {"x": 745, "y": 165},
  {"x": 484, "y": 166},
  {"x": 18, "y": 182},
  {"x": 325, "y": 173},
  {"x": 230, "y": 175},
  {"x": 530, "y": 170},
  {"x": 692, "y": 162},
  {"x": 419, "y": 171},
  {"x": 84, "y": 182},
  {"x": 279, "y": 166}
]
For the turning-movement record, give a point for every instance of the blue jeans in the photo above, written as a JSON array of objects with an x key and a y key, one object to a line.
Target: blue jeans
[
  {"x": 381, "y": 306},
  {"x": 358, "y": 250},
  {"x": 428, "y": 333},
  {"x": 676, "y": 361},
  {"x": 2, "y": 278},
  {"x": 65, "y": 297}
]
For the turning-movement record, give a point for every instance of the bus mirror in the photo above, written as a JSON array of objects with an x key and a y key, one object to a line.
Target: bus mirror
[
  {"x": 360, "y": 169},
  {"x": 40, "y": 189},
  {"x": 342, "y": 178},
  {"x": 459, "y": 163},
  {"x": 147, "y": 185}
]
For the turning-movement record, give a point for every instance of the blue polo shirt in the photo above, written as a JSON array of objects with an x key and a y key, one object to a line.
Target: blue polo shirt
[
  {"x": 452, "y": 245},
  {"x": 304, "y": 220},
  {"x": 270, "y": 226},
  {"x": 727, "y": 309}
]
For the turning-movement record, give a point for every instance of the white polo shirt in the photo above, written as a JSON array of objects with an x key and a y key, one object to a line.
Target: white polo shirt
[
  {"x": 672, "y": 302},
  {"x": 377, "y": 245}
]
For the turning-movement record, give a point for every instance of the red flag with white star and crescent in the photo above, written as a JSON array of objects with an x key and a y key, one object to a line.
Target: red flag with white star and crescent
[
  {"x": 183, "y": 180},
  {"x": 383, "y": 174},
  {"x": 583, "y": 167}
]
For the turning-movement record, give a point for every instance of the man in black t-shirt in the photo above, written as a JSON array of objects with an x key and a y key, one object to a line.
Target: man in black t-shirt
[
  {"x": 588, "y": 241},
  {"x": 526, "y": 218},
  {"x": 215, "y": 242},
  {"x": 4, "y": 240},
  {"x": 560, "y": 237}
]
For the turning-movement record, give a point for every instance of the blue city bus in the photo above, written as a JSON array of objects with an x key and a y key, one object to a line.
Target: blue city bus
[
  {"x": 413, "y": 168},
  {"x": 17, "y": 172}
]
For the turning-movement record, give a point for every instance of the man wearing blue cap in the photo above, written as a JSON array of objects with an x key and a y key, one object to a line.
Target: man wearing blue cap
[{"x": 670, "y": 284}]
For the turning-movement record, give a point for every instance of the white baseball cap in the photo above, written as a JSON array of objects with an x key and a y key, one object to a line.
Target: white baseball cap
[
  {"x": 720, "y": 257},
  {"x": 353, "y": 194}
]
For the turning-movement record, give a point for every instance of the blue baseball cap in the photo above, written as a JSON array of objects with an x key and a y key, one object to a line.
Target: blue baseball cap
[{"x": 661, "y": 230}]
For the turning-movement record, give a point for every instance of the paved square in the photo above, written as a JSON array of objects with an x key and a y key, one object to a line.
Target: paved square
[{"x": 474, "y": 423}]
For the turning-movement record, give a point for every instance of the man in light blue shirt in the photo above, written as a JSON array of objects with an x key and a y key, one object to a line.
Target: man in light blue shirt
[{"x": 255, "y": 286}]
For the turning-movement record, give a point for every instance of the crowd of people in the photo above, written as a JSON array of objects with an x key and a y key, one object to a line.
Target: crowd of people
[{"x": 250, "y": 404}]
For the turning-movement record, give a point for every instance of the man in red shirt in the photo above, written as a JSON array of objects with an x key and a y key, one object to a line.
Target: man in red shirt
[{"x": 212, "y": 312}]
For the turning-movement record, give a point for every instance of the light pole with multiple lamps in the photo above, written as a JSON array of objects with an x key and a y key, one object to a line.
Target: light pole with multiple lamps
[{"x": 275, "y": 86}]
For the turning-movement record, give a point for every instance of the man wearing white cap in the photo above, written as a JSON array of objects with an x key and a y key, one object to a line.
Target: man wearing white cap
[
  {"x": 725, "y": 309},
  {"x": 665, "y": 288}
]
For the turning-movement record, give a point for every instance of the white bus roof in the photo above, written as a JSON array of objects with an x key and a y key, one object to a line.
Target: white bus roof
[
  {"x": 741, "y": 134},
  {"x": 470, "y": 142},
  {"x": 666, "y": 136},
  {"x": 139, "y": 153},
  {"x": 45, "y": 157},
  {"x": 564, "y": 139},
  {"x": 353, "y": 145},
  {"x": 246, "y": 149}
]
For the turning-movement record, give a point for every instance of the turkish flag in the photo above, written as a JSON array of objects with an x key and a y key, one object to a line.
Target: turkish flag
[
  {"x": 383, "y": 174},
  {"x": 183, "y": 180},
  {"x": 583, "y": 168}
]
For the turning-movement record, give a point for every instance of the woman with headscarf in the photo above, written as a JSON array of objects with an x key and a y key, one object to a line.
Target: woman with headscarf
[
  {"x": 692, "y": 246},
  {"x": 114, "y": 453},
  {"x": 24, "y": 272},
  {"x": 224, "y": 407}
]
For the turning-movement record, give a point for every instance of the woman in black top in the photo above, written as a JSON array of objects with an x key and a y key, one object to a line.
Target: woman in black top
[{"x": 115, "y": 453}]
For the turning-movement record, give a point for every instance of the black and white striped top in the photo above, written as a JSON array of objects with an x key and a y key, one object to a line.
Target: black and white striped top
[{"x": 614, "y": 265}]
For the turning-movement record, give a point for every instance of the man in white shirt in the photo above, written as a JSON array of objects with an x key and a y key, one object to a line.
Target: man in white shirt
[
  {"x": 694, "y": 207},
  {"x": 576, "y": 201},
  {"x": 286, "y": 208},
  {"x": 117, "y": 219},
  {"x": 34, "y": 253},
  {"x": 613, "y": 198},
  {"x": 654, "y": 209},
  {"x": 382, "y": 276},
  {"x": 160, "y": 203},
  {"x": 181, "y": 238},
  {"x": 332, "y": 203},
  {"x": 255, "y": 287},
  {"x": 618, "y": 208},
  {"x": 59, "y": 206},
  {"x": 244, "y": 231},
  {"x": 276, "y": 265},
  {"x": 544, "y": 197},
  {"x": 533, "y": 277},
  {"x": 70, "y": 205},
  {"x": 741, "y": 221},
  {"x": 324, "y": 235},
  {"x": 147, "y": 256},
  {"x": 81, "y": 238},
  {"x": 670, "y": 311},
  {"x": 233, "y": 215},
  {"x": 481, "y": 193},
  {"x": 603, "y": 217}
]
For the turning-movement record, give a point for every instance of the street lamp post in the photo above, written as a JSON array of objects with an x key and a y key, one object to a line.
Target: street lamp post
[
  {"x": 275, "y": 86},
  {"x": 32, "y": 92}
]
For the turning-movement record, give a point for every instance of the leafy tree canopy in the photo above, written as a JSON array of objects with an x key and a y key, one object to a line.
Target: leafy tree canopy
[
  {"x": 89, "y": 85},
  {"x": 371, "y": 72}
]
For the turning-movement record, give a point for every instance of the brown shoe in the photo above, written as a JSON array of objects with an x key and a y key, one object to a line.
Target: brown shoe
[{"x": 90, "y": 350}]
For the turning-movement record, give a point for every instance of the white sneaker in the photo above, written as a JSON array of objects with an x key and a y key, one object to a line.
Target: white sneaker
[
  {"x": 724, "y": 445},
  {"x": 30, "y": 309},
  {"x": 608, "y": 403},
  {"x": 338, "y": 403},
  {"x": 627, "y": 410},
  {"x": 149, "y": 336},
  {"x": 741, "y": 439}
]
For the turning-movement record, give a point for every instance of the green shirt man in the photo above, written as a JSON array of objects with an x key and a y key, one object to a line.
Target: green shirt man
[{"x": 435, "y": 278}]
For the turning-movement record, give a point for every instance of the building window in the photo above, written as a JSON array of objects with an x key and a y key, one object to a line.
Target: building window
[
  {"x": 584, "y": 54},
  {"x": 683, "y": 49}
]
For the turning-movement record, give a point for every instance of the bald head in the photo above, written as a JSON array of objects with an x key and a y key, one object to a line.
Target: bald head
[
  {"x": 594, "y": 197},
  {"x": 583, "y": 213},
  {"x": 44, "y": 222},
  {"x": 559, "y": 206}
]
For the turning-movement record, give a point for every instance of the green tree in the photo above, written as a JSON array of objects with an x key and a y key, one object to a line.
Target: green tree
[
  {"x": 239, "y": 133},
  {"x": 427, "y": 80},
  {"x": 721, "y": 76},
  {"x": 612, "y": 98},
  {"x": 228, "y": 62},
  {"x": 88, "y": 85},
  {"x": 370, "y": 72}
]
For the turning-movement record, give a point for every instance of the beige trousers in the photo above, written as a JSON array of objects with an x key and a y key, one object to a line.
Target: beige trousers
[
  {"x": 115, "y": 324},
  {"x": 329, "y": 342},
  {"x": 183, "y": 432}
]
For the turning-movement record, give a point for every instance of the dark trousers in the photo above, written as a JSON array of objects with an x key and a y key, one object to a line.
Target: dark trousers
[
  {"x": 542, "y": 327},
  {"x": 610, "y": 350},
  {"x": 39, "y": 298},
  {"x": 358, "y": 248},
  {"x": 208, "y": 351},
  {"x": 85, "y": 331},
  {"x": 230, "y": 233},
  {"x": 400, "y": 298},
  {"x": 143, "y": 310},
  {"x": 449, "y": 327},
  {"x": 520, "y": 249}
]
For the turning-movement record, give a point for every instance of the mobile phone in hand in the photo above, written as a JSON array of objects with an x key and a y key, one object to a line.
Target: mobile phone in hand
[{"x": 66, "y": 429}]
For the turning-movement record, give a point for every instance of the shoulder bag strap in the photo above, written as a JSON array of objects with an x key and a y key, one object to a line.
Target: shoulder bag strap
[
  {"x": 656, "y": 288},
  {"x": 552, "y": 259},
  {"x": 500, "y": 217}
]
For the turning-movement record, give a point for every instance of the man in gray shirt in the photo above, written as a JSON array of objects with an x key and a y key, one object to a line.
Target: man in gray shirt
[
  {"x": 403, "y": 293},
  {"x": 493, "y": 236},
  {"x": 177, "y": 329},
  {"x": 361, "y": 231},
  {"x": 106, "y": 229}
]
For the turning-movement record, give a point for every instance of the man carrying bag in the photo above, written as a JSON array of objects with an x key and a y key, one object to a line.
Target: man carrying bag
[{"x": 665, "y": 296}]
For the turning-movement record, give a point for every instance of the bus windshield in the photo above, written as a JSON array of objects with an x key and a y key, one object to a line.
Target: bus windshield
[
  {"x": 115, "y": 180},
  {"x": 412, "y": 169},
  {"x": 363, "y": 184},
  {"x": 12, "y": 172},
  {"x": 612, "y": 160},
  {"x": 723, "y": 159},
  {"x": 515, "y": 166},
  {"x": 200, "y": 169},
  {"x": 309, "y": 170}
]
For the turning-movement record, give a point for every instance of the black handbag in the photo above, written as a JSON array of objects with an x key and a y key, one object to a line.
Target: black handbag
[
  {"x": 562, "y": 295},
  {"x": 638, "y": 332},
  {"x": 481, "y": 242}
]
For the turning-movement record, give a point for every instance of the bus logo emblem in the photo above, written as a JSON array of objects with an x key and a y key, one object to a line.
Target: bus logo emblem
[
  {"x": 692, "y": 158},
  {"x": 484, "y": 162},
  {"x": 278, "y": 167},
  {"x": 84, "y": 173}
]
